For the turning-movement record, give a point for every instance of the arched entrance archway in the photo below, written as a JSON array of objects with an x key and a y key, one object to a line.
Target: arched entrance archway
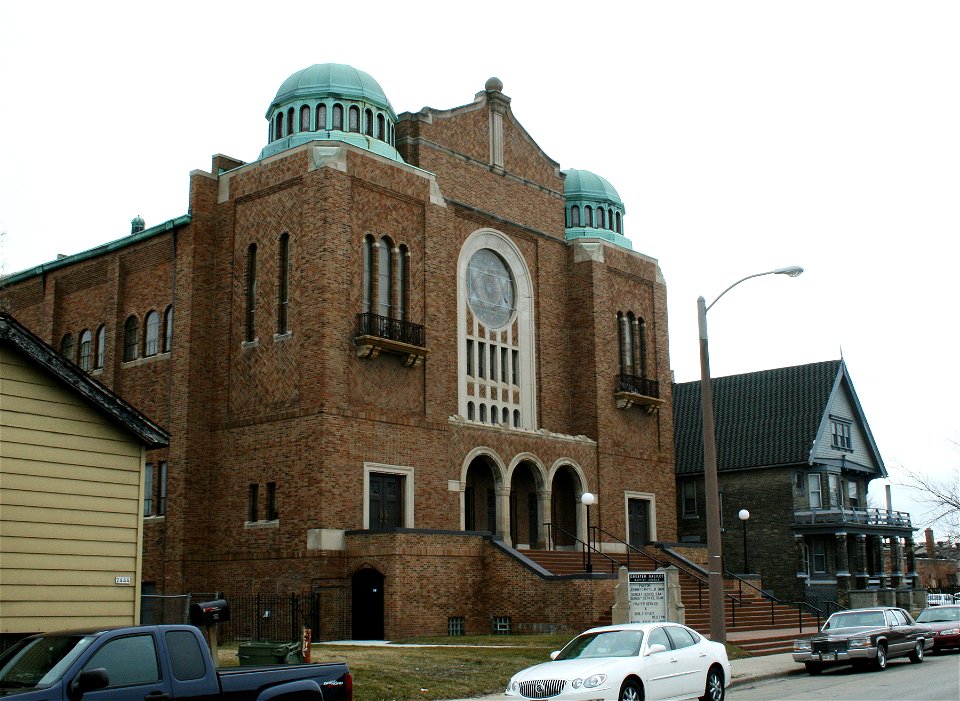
[
  {"x": 525, "y": 516},
  {"x": 480, "y": 496},
  {"x": 565, "y": 492},
  {"x": 367, "y": 588}
]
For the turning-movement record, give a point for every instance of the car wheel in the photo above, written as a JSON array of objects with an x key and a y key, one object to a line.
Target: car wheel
[
  {"x": 880, "y": 663},
  {"x": 813, "y": 668},
  {"x": 917, "y": 655},
  {"x": 631, "y": 691},
  {"x": 714, "y": 690}
]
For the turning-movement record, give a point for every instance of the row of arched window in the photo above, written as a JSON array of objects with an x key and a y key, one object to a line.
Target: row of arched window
[
  {"x": 497, "y": 417},
  {"x": 283, "y": 289},
  {"x": 594, "y": 218},
  {"x": 310, "y": 119},
  {"x": 632, "y": 332},
  {"x": 386, "y": 278},
  {"x": 88, "y": 352}
]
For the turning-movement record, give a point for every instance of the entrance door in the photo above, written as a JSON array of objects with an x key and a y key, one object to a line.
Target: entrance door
[
  {"x": 367, "y": 589},
  {"x": 386, "y": 492},
  {"x": 638, "y": 512}
]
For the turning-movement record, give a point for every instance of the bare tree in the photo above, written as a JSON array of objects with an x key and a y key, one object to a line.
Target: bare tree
[{"x": 940, "y": 495}]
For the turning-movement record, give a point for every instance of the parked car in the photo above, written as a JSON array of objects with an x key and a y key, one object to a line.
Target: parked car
[
  {"x": 944, "y": 621},
  {"x": 940, "y": 600},
  {"x": 864, "y": 637},
  {"x": 146, "y": 662},
  {"x": 650, "y": 661}
]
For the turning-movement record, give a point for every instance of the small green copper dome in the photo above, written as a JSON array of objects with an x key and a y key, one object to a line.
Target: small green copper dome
[
  {"x": 331, "y": 102},
  {"x": 594, "y": 209}
]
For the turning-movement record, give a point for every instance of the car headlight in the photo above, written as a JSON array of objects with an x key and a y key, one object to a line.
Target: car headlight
[
  {"x": 801, "y": 646},
  {"x": 590, "y": 682},
  {"x": 513, "y": 686},
  {"x": 859, "y": 643},
  {"x": 952, "y": 631}
]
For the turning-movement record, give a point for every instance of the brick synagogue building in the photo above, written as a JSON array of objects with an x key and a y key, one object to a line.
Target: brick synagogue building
[{"x": 392, "y": 353}]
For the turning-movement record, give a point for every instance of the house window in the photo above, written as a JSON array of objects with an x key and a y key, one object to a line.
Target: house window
[
  {"x": 455, "y": 626},
  {"x": 131, "y": 328},
  {"x": 835, "y": 497},
  {"x": 66, "y": 346},
  {"x": 99, "y": 347},
  {"x": 689, "y": 497},
  {"x": 148, "y": 489},
  {"x": 168, "y": 329},
  {"x": 253, "y": 495},
  {"x": 251, "y": 292},
  {"x": 818, "y": 556},
  {"x": 853, "y": 495},
  {"x": 272, "y": 513},
  {"x": 842, "y": 438},
  {"x": 151, "y": 336},
  {"x": 86, "y": 344},
  {"x": 283, "y": 285},
  {"x": 814, "y": 494},
  {"x": 162, "y": 489},
  {"x": 155, "y": 489}
]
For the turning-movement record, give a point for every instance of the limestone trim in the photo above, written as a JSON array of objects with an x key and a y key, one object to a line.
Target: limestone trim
[
  {"x": 649, "y": 497},
  {"x": 408, "y": 490}
]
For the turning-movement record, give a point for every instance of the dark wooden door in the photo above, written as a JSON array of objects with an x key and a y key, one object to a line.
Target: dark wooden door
[
  {"x": 386, "y": 492},
  {"x": 638, "y": 512}
]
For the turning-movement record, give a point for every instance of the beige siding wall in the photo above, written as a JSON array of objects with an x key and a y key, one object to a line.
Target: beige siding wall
[{"x": 70, "y": 507}]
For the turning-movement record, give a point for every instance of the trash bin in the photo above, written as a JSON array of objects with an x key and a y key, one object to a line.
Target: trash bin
[{"x": 261, "y": 652}]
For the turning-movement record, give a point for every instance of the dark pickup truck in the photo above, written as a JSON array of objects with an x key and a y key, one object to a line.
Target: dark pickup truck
[{"x": 154, "y": 663}]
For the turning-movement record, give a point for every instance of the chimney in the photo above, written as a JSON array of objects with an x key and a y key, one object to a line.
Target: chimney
[
  {"x": 928, "y": 534},
  {"x": 889, "y": 500}
]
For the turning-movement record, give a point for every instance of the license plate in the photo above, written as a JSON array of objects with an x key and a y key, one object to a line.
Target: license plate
[{"x": 828, "y": 656}]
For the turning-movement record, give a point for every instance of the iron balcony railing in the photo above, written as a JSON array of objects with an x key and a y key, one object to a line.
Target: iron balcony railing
[
  {"x": 393, "y": 329},
  {"x": 638, "y": 385},
  {"x": 849, "y": 515}
]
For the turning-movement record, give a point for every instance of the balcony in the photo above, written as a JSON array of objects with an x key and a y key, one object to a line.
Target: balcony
[
  {"x": 377, "y": 334},
  {"x": 640, "y": 391},
  {"x": 854, "y": 519}
]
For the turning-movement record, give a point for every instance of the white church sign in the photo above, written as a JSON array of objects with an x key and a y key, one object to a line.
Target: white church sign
[{"x": 647, "y": 596}]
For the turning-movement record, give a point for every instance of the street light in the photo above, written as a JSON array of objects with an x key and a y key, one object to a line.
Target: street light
[
  {"x": 587, "y": 499},
  {"x": 718, "y": 627},
  {"x": 744, "y": 515}
]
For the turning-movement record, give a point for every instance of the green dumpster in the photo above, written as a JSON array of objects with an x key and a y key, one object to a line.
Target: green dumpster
[{"x": 261, "y": 652}]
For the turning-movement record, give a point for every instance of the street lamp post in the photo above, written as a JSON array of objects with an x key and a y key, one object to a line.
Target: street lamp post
[
  {"x": 744, "y": 515},
  {"x": 587, "y": 499},
  {"x": 718, "y": 628}
]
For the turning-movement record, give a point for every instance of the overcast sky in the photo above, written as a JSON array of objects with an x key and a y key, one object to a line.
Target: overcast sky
[{"x": 741, "y": 137}]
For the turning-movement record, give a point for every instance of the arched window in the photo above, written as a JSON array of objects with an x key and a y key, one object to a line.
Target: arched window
[
  {"x": 168, "y": 329},
  {"x": 305, "y": 118},
  {"x": 321, "y": 117},
  {"x": 601, "y": 222},
  {"x": 283, "y": 285},
  {"x": 384, "y": 277},
  {"x": 338, "y": 117},
  {"x": 380, "y": 130},
  {"x": 251, "y": 292},
  {"x": 151, "y": 334},
  {"x": 403, "y": 283},
  {"x": 483, "y": 413},
  {"x": 471, "y": 411},
  {"x": 354, "y": 119},
  {"x": 642, "y": 343},
  {"x": 131, "y": 341},
  {"x": 99, "y": 347},
  {"x": 369, "y": 246},
  {"x": 86, "y": 346},
  {"x": 494, "y": 415},
  {"x": 516, "y": 418},
  {"x": 610, "y": 220},
  {"x": 506, "y": 416},
  {"x": 618, "y": 223},
  {"x": 587, "y": 216},
  {"x": 290, "y": 122},
  {"x": 278, "y": 129},
  {"x": 626, "y": 323},
  {"x": 574, "y": 216},
  {"x": 368, "y": 122},
  {"x": 66, "y": 346}
]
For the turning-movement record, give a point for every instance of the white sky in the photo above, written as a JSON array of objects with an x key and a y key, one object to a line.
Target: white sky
[{"x": 741, "y": 136}]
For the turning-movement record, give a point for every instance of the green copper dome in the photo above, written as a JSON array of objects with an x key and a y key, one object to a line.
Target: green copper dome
[
  {"x": 331, "y": 102},
  {"x": 594, "y": 209}
]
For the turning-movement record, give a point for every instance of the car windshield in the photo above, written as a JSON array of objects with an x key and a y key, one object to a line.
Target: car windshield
[
  {"x": 610, "y": 643},
  {"x": 38, "y": 662},
  {"x": 855, "y": 619},
  {"x": 938, "y": 614}
]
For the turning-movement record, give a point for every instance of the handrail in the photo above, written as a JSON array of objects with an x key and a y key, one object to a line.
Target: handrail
[{"x": 587, "y": 547}]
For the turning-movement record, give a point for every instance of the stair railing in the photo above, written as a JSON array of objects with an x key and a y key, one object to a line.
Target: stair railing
[{"x": 587, "y": 549}]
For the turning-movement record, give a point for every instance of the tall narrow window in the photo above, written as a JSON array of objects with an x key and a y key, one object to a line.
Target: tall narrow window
[
  {"x": 272, "y": 513},
  {"x": 66, "y": 346},
  {"x": 574, "y": 216},
  {"x": 384, "y": 277},
  {"x": 290, "y": 122},
  {"x": 162, "y": 488},
  {"x": 503, "y": 366},
  {"x": 610, "y": 220},
  {"x": 283, "y": 285},
  {"x": 131, "y": 330},
  {"x": 338, "y": 117},
  {"x": 601, "y": 223},
  {"x": 369, "y": 246},
  {"x": 515, "y": 367},
  {"x": 380, "y": 130},
  {"x": 469, "y": 357},
  {"x": 354, "y": 118},
  {"x": 642, "y": 343},
  {"x": 815, "y": 496},
  {"x": 305, "y": 118},
  {"x": 151, "y": 334},
  {"x": 618, "y": 223},
  {"x": 321, "y": 117},
  {"x": 587, "y": 216},
  {"x": 278, "y": 129},
  {"x": 99, "y": 347},
  {"x": 86, "y": 347},
  {"x": 368, "y": 122},
  {"x": 253, "y": 496},
  {"x": 251, "y": 291},
  {"x": 403, "y": 283},
  {"x": 168, "y": 329},
  {"x": 626, "y": 344},
  {"x": 148, "y": 489}
]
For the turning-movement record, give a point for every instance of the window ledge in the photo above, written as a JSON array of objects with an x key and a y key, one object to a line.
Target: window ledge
[
  {"x": 154, "y": 519},
  {"x": 261, "y": 525},
  {"x": 371, "y": 346},
  {"x": 250, "y": 344},
  {"x": 144, "y": 360},
  {"x": 278, "y": 337}
]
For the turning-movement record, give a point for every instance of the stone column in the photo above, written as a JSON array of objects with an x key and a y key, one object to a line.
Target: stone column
[
  {"x": 802, "y": 574},
  {"x": 503, "y": 515},
  {"x": 543, "y": 530},
  {"x": 843, "y": 565},
  {"x": 881, "y": 571},
  {"x": 862, "y": 575},
  {"x": 911, "y": 562},
  {"x": 896, "y": 568}
]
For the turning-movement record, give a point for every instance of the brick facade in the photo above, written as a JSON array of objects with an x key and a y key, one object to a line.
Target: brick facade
[{"x": 300, "y": 413}]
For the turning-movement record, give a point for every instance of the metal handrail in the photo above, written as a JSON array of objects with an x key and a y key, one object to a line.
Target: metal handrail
[
  {"x": 587, "y": 547},
  {"x": 850, "y": 514},
  {"x": 369, "y": 324}
]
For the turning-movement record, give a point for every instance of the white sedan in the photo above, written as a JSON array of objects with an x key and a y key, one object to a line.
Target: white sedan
[{"x": 630, "y": 662}]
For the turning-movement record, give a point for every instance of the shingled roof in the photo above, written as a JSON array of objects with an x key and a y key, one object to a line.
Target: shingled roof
[{"x": 763, "y": 419}]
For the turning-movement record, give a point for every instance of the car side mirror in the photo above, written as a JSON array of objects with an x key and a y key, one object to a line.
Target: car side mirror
[
  {"x": 553, "y": 655},
  {"x": 655, "y": 648},
  {"x": 89, "y": 680}
]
